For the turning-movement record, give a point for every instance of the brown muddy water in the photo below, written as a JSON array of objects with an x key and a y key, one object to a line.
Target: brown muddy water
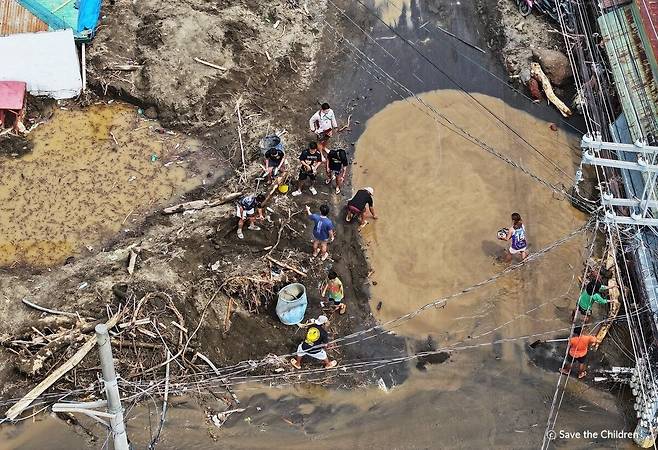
[
  {"x": 440, "y": 200},
  {"x": 90, "y": 171}
]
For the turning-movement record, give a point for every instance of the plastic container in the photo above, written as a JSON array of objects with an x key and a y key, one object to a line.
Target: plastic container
[
  {"x": 291, "y": 305},
  {"x": 270, "y": 141}
]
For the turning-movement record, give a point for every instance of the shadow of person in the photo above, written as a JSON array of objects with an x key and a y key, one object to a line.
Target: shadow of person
[{"x": 493, "y": 249}]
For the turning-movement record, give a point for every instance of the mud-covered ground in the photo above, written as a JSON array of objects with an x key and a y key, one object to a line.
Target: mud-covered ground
[
  {"x": 272, "y": 53},
  {"x": 275, "y": 58}
]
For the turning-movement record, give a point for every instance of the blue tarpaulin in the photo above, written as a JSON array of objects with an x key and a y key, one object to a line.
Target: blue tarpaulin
[
  {"x": 81, "y": 16},
  {"x": 88, "y": 15}
]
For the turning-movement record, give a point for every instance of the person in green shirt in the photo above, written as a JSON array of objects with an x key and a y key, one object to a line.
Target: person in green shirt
[{"x": 594, "y": 293}]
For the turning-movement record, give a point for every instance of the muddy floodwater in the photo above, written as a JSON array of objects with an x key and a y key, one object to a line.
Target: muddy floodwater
[
  {"x": 440, "y": 200},
  {"x": 89, "y": 172}
]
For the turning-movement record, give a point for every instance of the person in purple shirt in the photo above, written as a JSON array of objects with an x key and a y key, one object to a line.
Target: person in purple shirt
[{"x": 323, "y": 230}]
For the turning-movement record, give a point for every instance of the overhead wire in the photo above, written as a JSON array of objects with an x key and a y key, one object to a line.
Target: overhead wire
[
  {"x": 458, "y": 84},
  {"x": 584, "y": 204}
]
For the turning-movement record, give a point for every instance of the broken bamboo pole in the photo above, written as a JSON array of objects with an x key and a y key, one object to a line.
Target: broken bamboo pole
[{"x": 537, "y": 72}]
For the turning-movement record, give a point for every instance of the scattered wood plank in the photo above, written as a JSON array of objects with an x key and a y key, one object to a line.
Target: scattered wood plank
[
  {"x": 132, "y": 261},
  {"x": 537, "y": 72},
  {"x": 206, "y": 63},
  {"x": 179, "y": 326},
  {"x": 285, "y": 266},
  {"x": 40, "y": 388}
]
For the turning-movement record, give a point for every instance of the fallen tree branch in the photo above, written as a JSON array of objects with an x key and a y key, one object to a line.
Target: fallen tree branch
[
  {"x": 47, "y": 310},
  {"x": 535, "y": 71},
  {"x": 285, "y": 266},
  {"x": 26, "y": 401},
  {"x": 200, "y": 204}
]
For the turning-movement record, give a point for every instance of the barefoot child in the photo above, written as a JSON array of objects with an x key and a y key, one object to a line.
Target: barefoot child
[{"x": 333, "y": 292}]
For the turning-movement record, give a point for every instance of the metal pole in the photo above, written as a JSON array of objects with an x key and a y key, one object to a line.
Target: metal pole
[{"x": 111, "y": 389}]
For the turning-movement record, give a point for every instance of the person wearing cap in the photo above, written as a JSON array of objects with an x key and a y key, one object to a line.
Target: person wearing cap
[
  {"x": 314, "y": 344},
  {"x": 358, "y": 204},
  {"x": 275, "y": 160},
  {"x": 579, "y": 344},
  {"x": 323, "y": 123},
  {"x": 336, "y": 167}
]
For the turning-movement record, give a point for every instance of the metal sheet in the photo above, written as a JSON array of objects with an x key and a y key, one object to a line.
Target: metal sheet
[
  {"x": 631, "y": 69},
  {"x": 649, "y": 12},
  {"x": 14, "y": 18}
]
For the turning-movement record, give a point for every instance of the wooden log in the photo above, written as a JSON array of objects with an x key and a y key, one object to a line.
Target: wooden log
[
  {"x": 537, "y": 72},
  {"x": 285, "y": 266},
  {"x": 201, "y": 204},
  {"x": 40, "y": 388}
]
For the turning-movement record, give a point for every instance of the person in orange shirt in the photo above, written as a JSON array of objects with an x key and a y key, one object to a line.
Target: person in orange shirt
[{"x": 579, "y": 344}]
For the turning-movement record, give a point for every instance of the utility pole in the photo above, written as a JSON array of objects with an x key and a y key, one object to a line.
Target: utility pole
[
  {"x": 113, "y": 402},
  {"x": 117, "y": 426}
]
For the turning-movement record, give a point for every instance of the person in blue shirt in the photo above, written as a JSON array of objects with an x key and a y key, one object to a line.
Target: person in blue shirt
[{"x": 323, "y": 230}]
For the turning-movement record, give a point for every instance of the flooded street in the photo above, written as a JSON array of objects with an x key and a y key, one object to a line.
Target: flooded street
[
  {"x": 88, "y": 172},
  {"x": 440, "y": 199}
]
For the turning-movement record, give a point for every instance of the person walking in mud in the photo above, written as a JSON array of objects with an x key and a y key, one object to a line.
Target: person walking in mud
[
  {"x": 360, "y": 204},
  {"x": 246, "y": 209},
  {"x": 323, "y": 123},
  {"x": 311, "y": 161},
  {"x": 275, "y": 161},
  {"x": 333, "y": 293},
  {"x": 323, "y": 231},
  {"x": 314, "y": 345},
  {"x": 516, "y": 234},
  {"x": 337, "y": 167},
  {"x": 579, "y": 344}
]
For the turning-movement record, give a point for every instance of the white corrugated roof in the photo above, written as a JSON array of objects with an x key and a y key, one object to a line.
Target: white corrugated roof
[{"x": 47, "y": 62}]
